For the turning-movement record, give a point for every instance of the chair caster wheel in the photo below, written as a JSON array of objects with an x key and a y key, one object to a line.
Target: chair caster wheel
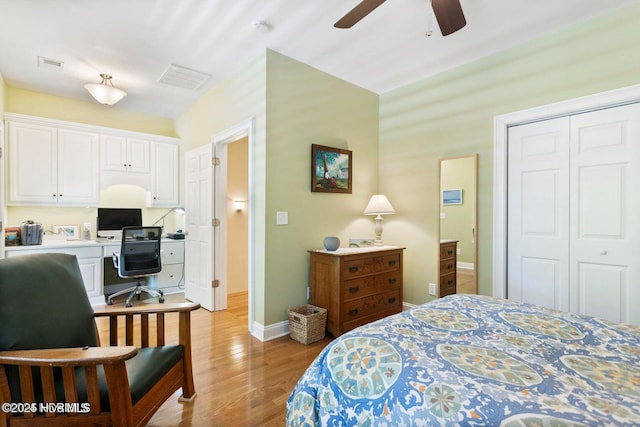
[{"x": 161, "y": 299}]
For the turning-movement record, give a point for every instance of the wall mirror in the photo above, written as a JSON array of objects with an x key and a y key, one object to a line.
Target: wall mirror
[{"x": 458, "y": 225}]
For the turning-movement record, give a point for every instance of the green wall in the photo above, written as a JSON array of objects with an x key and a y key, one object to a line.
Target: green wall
[
  {"x": 306, "y": 106},
  {"x": 451, "y": 114}
]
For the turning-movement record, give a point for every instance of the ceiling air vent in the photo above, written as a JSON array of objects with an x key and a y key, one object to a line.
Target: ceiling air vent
[
  {"x": 51, "y": 64},
  {"x": 183, "y": 77}
]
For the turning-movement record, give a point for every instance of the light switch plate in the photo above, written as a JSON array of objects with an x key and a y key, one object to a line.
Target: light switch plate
[{"x": 282, "y": 218}]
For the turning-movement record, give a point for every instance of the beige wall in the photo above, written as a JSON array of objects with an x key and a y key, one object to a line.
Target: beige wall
[
  {"x": 452, "y": 114},
  {"x": 237, "y": 221}
]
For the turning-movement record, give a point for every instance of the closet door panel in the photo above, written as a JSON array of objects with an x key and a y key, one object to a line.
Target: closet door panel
[
  {"x": 605, "y": 207},
  {"x": 538, "y": 214}
]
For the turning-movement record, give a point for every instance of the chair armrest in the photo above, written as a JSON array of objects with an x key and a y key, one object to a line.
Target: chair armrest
[
  {"x": 112, "y": 359},
  {"x": 105, "y": 310},
  {"x": 64, "y": 357},
  {"x": 143, "y": 311}
]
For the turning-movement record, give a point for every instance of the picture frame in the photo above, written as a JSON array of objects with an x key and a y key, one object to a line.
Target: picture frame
[
  {"x": 331, "y": 169},
  {"x": 452, "y": 197},
  {"x": 68, "y": 231}
]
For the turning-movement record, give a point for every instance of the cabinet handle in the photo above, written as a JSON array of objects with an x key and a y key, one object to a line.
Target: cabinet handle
[
  {"x": 353, "y": 269},
  {"x": 449, "y": 265},
  {"x": 354, "y": 289},
  {"x": 129, "y": 164},
  {"x": 392, "y": 262},
  {"x": 449, "y": 282},
  {"x": 393, "y": 280},
  {"x": 125, "y": 165},
  {"x": 353, "y": 312},
  {"x": 59, "y": 195},
  {"x": 391, "y": 300},
  {"x": 449, "y": 252}
]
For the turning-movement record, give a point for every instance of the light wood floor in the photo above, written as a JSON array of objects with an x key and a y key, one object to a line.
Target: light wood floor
[
  {"x": 239, "y": 380},
  {"x": 465, "y": 281}
]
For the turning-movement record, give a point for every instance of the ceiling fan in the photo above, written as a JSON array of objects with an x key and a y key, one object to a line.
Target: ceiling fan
[{"x": 448, "y": 14}]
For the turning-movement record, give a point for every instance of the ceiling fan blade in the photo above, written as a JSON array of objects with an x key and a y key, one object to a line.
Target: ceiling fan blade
[
  {"x": 449, "y": 15},
  {"x": 363, "y": 8}
]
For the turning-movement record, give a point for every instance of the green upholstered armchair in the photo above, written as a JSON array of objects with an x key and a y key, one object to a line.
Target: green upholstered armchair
[{"x": 52, "y": 368}]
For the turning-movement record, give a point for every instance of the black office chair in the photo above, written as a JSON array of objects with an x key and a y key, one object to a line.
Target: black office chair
[{"x": 139, "y": 257}]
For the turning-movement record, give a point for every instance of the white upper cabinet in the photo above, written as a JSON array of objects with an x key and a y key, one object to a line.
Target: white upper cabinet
[
  {"x": 49, "y": 165},
  {"x": 164, "y": 175},
  {"x": 122, "y": 154},
  {"x": 52, "y": 162}
]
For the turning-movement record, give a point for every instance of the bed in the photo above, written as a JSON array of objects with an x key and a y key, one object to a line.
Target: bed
[{"x": 472, "y": 360}]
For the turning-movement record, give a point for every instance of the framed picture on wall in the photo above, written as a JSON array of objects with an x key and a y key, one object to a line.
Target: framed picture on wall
[
  {"x": 330, "y": 169},
  {"x": 452, "y": 197}
]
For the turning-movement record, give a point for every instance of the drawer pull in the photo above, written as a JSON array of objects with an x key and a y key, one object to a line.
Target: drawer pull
[
  {"x": 450, "y": 282},
  {"x": 392, "y": 262},
  {"x": 354, "y": 289},
  {"x": 353, "y": 312},
  {"x": 353, "y": 269},
  {"x": 450, "y": 266},
  {"x": 391, "y": 300},
  {"x": 393, "y": 281},
  {"x": 449, "y": 252}
]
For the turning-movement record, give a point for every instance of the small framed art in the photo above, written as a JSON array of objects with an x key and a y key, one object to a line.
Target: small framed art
[
  {"x": 330, "y": 169},
  {"x": 452, "y": 197}
]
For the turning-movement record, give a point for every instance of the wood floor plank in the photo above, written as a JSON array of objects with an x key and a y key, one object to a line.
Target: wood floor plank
[{"x": 240, "y": 381}]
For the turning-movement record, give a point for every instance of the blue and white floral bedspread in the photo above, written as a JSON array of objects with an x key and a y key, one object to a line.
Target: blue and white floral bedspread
[{"x": 474, "y": 361}]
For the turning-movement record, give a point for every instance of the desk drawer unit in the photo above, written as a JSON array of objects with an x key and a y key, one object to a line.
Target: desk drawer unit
[{"x": 356, "y": 287}]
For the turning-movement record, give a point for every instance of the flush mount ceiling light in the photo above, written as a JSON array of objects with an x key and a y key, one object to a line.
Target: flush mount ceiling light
[{"x": 104, "y": 92}]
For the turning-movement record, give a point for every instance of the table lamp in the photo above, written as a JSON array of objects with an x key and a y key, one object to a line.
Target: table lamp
[{"x": 379, "y": 205}]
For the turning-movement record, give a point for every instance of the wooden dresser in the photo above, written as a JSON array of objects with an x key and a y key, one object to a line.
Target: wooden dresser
[
  {"x": 356, "y": 286},
  {"x": 448, "y": 261}
]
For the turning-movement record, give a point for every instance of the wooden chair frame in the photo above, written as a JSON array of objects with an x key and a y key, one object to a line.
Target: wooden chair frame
[{"x": 112, "y": 358}]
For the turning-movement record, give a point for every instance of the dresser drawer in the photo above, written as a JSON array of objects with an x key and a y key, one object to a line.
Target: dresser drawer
[
  {"x": 447, "y": 283},
  {"x": 352, "y": 268},
  {"x": 447, "y": 266},
  {"x": 370, "y": 285},
  {"x": 374, "y": 304},
  {"x": 448, "y": 250}
]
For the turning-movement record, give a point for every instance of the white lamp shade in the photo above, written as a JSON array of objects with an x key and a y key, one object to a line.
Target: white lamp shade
[
  {"x": 104, "y": 94},
  {"x": 379, "y": 205}
]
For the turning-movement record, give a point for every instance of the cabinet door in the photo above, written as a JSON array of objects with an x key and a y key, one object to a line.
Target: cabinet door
[
  {"x": 33, "y": 173},
  {"x": 91, "y": 271},
  {"x": 114, "y": 153},
  {"x": 78, "y": 160},
  {"x": 137, "y": 155},
  {"x": 164, "y": 171}
]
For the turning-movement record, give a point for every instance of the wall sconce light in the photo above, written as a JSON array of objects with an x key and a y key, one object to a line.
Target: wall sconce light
[
  {"x": 379, "y": 205},
  {"x": 239, "y": 205}
]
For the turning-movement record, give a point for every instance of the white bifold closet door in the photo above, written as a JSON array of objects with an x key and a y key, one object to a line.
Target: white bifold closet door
[{"x": 574, "y": 213}]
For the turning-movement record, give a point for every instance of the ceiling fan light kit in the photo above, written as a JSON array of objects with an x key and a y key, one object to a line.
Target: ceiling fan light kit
[
  {"x": 105, "y": 92},
  {"x": 448, "y": 14}
]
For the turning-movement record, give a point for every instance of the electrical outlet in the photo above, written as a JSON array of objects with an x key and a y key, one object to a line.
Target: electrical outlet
[
  {"x": 433, "y": 289},
  {"x": 458, "y": 251}
]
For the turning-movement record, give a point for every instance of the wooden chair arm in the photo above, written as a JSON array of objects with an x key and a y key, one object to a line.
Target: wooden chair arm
[
  {"x": 68, "y": 360},
  {"x": 65, "y": 357},
  {"x": 138, "y": 316},
  {"x": 105, "y": 310}
]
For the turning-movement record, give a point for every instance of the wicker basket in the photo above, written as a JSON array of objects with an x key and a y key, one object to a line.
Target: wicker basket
[{"x": 307, "y": 323}]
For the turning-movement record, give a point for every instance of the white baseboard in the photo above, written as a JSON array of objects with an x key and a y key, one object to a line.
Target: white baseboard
[
  {"x": 270, "y": 332},
  {"x": 465, "y": 265}
]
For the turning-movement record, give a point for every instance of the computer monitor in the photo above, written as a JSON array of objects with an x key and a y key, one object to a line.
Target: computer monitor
[{"x": 112, "y": 220}]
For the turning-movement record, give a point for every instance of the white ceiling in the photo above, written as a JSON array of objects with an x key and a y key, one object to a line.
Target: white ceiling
[{"x": 137, "y": 40}]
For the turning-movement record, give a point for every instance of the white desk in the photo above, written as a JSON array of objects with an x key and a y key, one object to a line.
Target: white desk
[{"x": 90, "y": 255}]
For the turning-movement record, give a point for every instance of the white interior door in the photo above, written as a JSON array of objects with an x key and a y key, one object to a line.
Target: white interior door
[
  {"x": 199, "y": 252},
  {"x": 538, "y": 213},
  {"x": 605, "y": 220}
]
